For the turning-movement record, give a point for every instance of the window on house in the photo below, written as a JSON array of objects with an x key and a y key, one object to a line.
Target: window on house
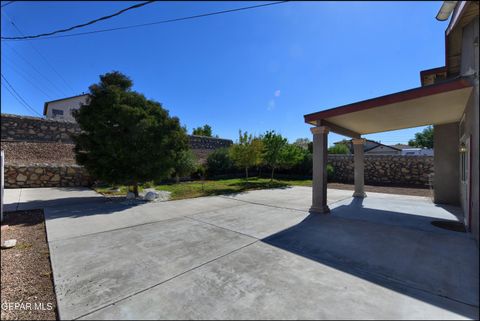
[{"x": 57, "y": 112}]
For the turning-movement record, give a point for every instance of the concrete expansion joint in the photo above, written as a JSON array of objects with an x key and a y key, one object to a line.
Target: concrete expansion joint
[
  {"x": 137, "y": 225},
  {"x": 267, "y": 205},
  {"x": 221, "y": 227},
  {"x": 165, "y": 281}
]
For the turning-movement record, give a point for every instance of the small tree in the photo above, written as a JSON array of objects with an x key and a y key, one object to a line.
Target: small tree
[
  {"x": 302, "y": 142},
  {"x": 185, "y": 164},
  {"x": 339, "y": 149},
  {"x": 290, "y": 155},
  {"x": 126, "y": 138},
  {"x": 247, "y": 152},
  {"x": 273, "y": 144},
  {"x": 423, "y": 138},
  {"x": 206, "y": 130}
]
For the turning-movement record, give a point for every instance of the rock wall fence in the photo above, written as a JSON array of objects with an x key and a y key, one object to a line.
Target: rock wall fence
[
  {"x": 35, "y": 129},
  {"x": 385, "y": 169},
  {"x": 16, "y": 128},
  {"x": 45, "y": 175}
]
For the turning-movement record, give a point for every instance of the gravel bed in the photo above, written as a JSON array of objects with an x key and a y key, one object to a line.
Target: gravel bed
[{"x": 26, "y": 274}]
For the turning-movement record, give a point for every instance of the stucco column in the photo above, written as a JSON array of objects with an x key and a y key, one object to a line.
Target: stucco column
[
  {"x": 319, "y": 182},
  {"x": 359, "y": 165}
]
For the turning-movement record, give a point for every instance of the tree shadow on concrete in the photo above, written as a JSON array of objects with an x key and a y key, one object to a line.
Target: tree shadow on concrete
[
  {"x": 398, "y": 251},
  {"x": 75, "y": 206}
]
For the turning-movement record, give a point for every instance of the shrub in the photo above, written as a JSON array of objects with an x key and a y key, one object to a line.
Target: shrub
[
  {"x": 185, "y": 164},
  {"x": 330, "y": 172},
  {"x": 199, "y": 173},
  {"x": 339, "y": 149},
  {"x": 304, "y": 166},
  {"x": 219, "y": 163}
]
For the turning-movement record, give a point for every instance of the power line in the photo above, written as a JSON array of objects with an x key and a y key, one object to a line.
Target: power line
[
  {"x": 39, "y": 53},
  {"x": 39, "y": 72},
  {"x": 6, "y": 4},
  {"x": 21, "y": 73},
  {"x": 161, "y": 21},
  {"x": 81, "y": 25},
  {"x": 19, "y": 98}
]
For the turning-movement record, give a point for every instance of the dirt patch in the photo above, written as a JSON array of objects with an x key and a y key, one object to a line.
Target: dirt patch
[
  {"x": 386, "y": 189},
  {"x": 27, "y": 153},
  {"x": 26, "y": 271}
]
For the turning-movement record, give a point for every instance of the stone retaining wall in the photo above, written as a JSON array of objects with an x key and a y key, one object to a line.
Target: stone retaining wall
[
  {"x": 385, "y": 169},
  {"x": 202, "y": 142},
  {"x": 28, "y": 130},
  {"x": 35, "y": 129},
  {"x": 45, "y": 175}
]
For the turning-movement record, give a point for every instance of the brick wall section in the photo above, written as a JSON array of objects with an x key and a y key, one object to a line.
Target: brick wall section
[
  {"x": 45, "y": 175},
  {"x": 385, "y": 169}
]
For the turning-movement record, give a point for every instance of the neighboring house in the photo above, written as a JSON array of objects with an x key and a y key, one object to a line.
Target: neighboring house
[
  {"x": 417, "y": 151},
  {"x": 371, "y": 147},
  {"x": 401, "y": 146},
  {"x": 61, "y": 109},
  {"x": 448, "y": 99},
  {"x": 413, "y": 151}
]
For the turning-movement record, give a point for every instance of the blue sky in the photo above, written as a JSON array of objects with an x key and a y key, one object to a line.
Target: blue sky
[{"x": 254, "y": 70}]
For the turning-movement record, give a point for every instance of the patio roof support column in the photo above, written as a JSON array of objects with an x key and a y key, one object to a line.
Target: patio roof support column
[
  {"x": 319, "y": 182},
  {"x": 359, "y": 165}
]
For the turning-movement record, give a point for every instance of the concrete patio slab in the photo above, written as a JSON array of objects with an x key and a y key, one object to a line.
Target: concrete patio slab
[
  {"x": 83, "y": 219},
  {"x": 11, "y": 199},
  {"x": 33, "y": 198},
  {"x": 259, "y": 254},
  {"x": 265, "y": 282},
  {"x": 254, "y": 220},
  {"x": 296, "y": 197},
  {"x": 96, "y": 270},
  {"x": 439, "y": 263}
]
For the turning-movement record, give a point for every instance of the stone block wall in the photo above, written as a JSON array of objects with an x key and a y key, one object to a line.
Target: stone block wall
[
  {"x": 385, "y": 169},
  {"x": 39, "y": 135},
  {"x": 202, "y": 142},
  {"x": 34, "y": 129},
  {"x": 45, "y": 175}
]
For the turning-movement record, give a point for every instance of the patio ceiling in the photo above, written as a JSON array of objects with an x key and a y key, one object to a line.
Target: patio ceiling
[{"x": 440, "y": 103}]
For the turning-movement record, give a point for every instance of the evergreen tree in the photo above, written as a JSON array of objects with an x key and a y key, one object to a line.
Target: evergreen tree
[{"x": 126, "y": 138}]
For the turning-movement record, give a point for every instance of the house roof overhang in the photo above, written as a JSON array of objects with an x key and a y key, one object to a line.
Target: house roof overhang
[{"x": 440, "y": 103}]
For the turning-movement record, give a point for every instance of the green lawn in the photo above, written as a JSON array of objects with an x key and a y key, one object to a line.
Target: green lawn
[{"x": 214, "y": 187}]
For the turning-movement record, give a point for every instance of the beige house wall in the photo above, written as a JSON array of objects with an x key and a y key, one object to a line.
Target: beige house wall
[
  {"x": 446, "y": 189},
  {"x": 470, "y": 128}
]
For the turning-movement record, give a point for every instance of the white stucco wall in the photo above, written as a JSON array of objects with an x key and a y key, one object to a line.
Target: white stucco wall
[{"x": 66, "y": 105}]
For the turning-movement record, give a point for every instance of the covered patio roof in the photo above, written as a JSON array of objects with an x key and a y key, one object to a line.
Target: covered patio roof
[{"x": 440, "y": 103}]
